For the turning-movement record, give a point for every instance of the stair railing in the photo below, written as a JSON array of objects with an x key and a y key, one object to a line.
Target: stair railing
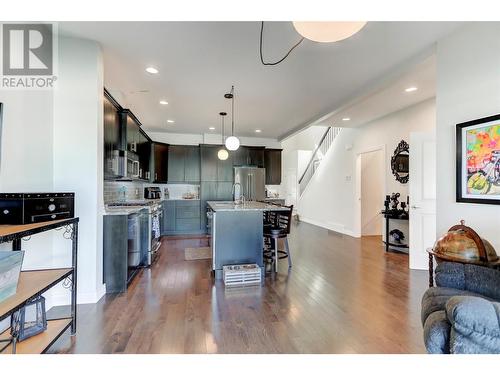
[{"x": 324, "y": 144}]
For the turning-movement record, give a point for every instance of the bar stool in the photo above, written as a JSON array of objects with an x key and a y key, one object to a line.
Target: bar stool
[{"x": 277, "y": 225}]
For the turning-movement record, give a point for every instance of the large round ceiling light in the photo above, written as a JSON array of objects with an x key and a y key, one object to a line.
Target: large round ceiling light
[{"x": 327, "y": 32}]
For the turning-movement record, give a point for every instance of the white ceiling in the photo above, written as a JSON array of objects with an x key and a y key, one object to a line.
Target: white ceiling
[
  {"x": 199, "y": 61},
  {"x": 389, "y": 97}
]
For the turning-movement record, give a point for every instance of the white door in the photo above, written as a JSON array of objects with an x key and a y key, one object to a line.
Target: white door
[{"x": 422, "y": 188}]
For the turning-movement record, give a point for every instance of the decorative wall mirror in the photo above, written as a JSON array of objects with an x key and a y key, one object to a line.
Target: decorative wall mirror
[{"x": 400, "y": 162}]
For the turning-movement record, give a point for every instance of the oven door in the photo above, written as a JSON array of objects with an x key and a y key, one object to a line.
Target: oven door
[{"x": 46, "y": 208}]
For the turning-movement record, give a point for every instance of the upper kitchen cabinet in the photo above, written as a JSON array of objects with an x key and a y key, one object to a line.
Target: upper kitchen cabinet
[
  {"x": 160, "y": 157},
  {"x": 183, "y": 164},
  {"x": 212, "y": 168},
  {"x": 192, "y": 164},
  {"x": 135, "y": 141},
  {"x": 249, "y": 156},
  {"x": 272, "y": 163},
  {"x": 144, "y": 152},
  {"x": 111, "y": 138}
]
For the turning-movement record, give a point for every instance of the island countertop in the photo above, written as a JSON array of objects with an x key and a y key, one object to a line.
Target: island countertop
[{"x": 247, "y": 206}]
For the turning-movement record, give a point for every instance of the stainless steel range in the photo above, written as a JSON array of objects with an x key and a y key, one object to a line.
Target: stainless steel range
[{"x": 154, "y": 218}]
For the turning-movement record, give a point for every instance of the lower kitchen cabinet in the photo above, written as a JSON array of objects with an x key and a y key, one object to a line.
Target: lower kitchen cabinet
[
  {"x": 181, "y": 217},
  {"x": 168, "y": 218}
]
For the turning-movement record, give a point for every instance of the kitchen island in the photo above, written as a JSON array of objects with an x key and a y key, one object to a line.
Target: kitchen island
[{"x": 237, "y": 233}]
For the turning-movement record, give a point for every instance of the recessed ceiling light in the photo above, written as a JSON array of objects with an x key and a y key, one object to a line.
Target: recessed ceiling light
[
  {"x": 211, "y": 128},
  {"x": 170, "y": 121},
  {"x": 164, "y": 102},
  {"x": 411, "y": 89},
  {"x": 152, "y": 70},
  {"x": 258, "y": 130},
  {"x": 346, "y": 119}
]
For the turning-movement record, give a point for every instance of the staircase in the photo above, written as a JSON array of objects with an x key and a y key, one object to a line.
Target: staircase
[{"x": 324, "y": 145}]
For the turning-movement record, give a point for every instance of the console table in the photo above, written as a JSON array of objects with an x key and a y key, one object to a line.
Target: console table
[
  {"x": 388, "y": 215},
  {"x": 33, "y": 283}
]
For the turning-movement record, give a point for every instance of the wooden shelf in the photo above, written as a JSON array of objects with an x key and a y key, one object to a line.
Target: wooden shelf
[
  {"x": 32, "y": 283},
  {"x": 8, "y": 232},
  {"x": 40, "y": 343}
]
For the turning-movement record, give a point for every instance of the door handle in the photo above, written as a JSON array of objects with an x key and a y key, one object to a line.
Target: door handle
[{"x": 415, "y": 207}]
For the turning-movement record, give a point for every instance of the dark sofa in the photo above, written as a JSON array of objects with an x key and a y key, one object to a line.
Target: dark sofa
[{"x": 462, "y": 313}]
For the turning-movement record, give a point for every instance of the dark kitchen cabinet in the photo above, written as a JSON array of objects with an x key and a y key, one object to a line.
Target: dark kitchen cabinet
[
  {"x": 160, "y": 157},
  {"x": 183, "y": 164},
  {"x": 135, "y": 141},
  {"x": 225, "y": 169},
  {"x": 192, "y": 164},
  {"x": 144, "y": 152},
  {"x": 212, "y": 168},
  {"x": 249, "y": 156},
  {"x": 168, "y": 218},
  {"x": 272, "y": 163},
  {"x": 240, "y": 156},
  {"x": 131, "y": 126},
  {"x": 181, "y": 217},
  {"x": 208, "y": 156},
  {"x": 224, "y": 191},
  {"x": 176, "y": 164},
  {"x": 256, "y": 156},
  {"x": 111, "y": 137}
]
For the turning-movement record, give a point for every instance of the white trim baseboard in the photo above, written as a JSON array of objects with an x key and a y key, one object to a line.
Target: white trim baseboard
[
  {"x": 63, "y": 298},
  {"x": 339, "y": 228}
]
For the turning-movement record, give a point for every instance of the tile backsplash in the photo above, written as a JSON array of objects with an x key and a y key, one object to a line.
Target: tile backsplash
[
  {"x": 135, "y": 190},
  {"x": 112, "y": 190}
]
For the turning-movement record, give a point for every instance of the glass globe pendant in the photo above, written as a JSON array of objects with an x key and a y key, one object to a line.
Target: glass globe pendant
[
  {"x": 222, "y": 154},
  {"x": 232, "y": 142}
]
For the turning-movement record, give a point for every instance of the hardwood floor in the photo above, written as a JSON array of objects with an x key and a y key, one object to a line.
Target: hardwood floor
[{"x": 343, "y": 295}]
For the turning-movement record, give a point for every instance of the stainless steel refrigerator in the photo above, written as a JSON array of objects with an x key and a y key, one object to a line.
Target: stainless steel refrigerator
[{"x": 252, "y": 181}]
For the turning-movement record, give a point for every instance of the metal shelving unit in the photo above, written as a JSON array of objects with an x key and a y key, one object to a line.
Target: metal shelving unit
[{"x": 34, "y": 283}]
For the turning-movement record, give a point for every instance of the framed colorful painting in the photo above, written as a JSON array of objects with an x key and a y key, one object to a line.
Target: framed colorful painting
[{"x": 478, "y": 161}]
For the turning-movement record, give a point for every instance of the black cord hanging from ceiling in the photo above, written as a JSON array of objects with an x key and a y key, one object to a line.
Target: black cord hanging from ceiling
[{"x": 284, "y": 57}]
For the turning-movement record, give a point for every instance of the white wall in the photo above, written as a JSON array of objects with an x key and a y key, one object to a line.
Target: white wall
[
  {"x": 297, "y": 151},
  {"x": 208, "y": 138},
  {"x": 26, "y": 158},
  {"x": 52, "y": 141},
  {"x": 330, "y": 200},
  {"x": 78, "y": 155},
  {"x": 468, "y": 87}
]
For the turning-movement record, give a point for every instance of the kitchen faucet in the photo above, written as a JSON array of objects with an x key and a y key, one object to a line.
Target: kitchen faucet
[{"x": 241, "y": 197}]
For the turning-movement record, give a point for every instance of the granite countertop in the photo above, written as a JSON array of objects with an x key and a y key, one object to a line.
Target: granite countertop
[
  {"x": 182, "y": 199},
  {"x": 247, "y": 206},
  {"x": 129, "y": 206}
]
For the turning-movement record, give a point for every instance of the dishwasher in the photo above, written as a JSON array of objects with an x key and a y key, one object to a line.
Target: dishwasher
[{"x": 137, "y": 240}]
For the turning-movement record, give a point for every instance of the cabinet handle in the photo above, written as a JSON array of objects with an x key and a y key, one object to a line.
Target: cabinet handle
[{"x": 156, "y": 176}]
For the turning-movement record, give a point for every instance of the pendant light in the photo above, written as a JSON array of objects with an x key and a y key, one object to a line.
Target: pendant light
[
  {"x": 328, "y": 32},
  {"x": 222, "y": 154},
  {"x": 232, "y": 142}
]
